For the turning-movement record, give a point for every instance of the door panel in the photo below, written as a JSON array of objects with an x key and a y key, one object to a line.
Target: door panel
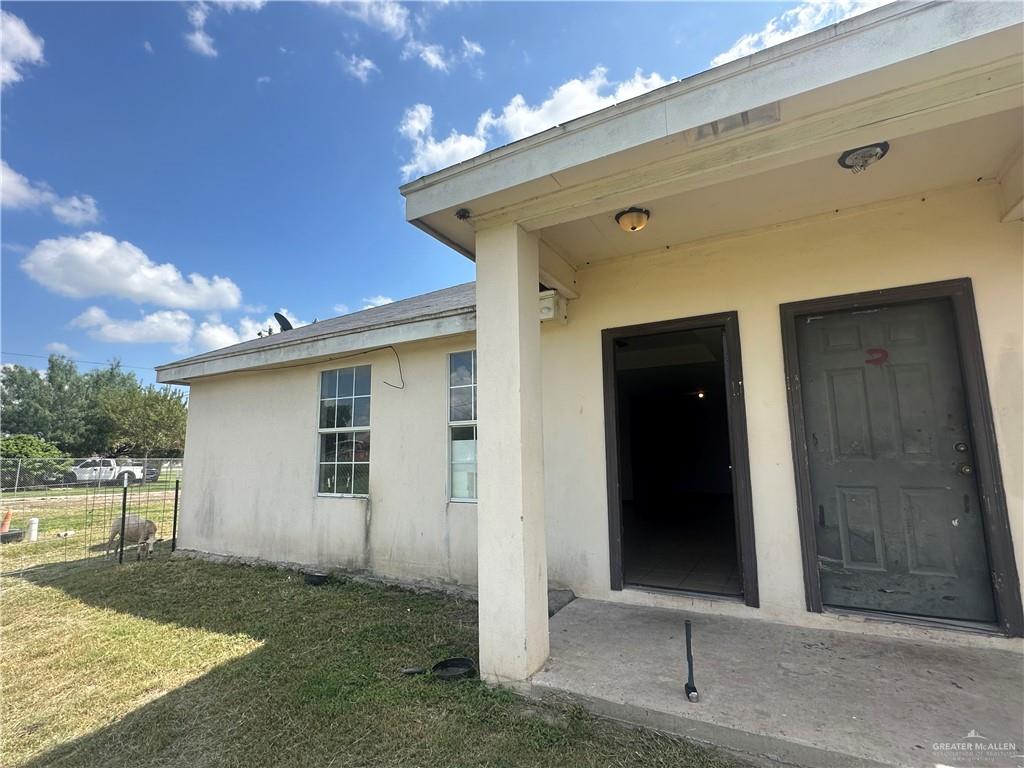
[{"x": 898, "y": 523}]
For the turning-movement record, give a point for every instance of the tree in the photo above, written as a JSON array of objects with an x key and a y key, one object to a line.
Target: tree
[
  {"x": 148, "y": 422},
  {"x": 28, "y": 447},
  {"x": 103, "y": 411}
]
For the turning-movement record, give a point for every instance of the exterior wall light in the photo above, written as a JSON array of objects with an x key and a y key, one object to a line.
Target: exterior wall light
[
  {"x": 633, "y": 219},
  {"x": 859, "y": 159}
]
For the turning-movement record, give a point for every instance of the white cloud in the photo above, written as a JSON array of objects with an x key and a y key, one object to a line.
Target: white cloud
[
  {"x": 60, "y": 348},
  {"x": 214, "y": 334},
  {"x": 19, "y": 193},
  {"x": 77, "y": 211},
  {"x": 428, "y": 153},
  {"x": 433, "y": 55},
  {"x": 470, "y": 49},
  {"x": 199, "y": 40},
  {"x": 376, "y": 301},
  {"x": 341, "y": 309},
  {"x": 263, "y": 79},
  {"x": 20, "y": 48},
  {"x": 359, "y": 67},
  {"x": 95, "y": 264},
  {"x": 803, "y": 18},
  {"x": 571, "y": 99},
  {"x": 166, "y": 326},
  {"x": 148, "y": 46},
  {"x": 386, "y": 16}
]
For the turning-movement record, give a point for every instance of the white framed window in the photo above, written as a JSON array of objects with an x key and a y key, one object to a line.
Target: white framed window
[
  {"x": 462, "y": 425},
  {"x": 344, "y": 432}
]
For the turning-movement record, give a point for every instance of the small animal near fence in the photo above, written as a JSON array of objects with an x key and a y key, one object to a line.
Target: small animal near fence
[{"x": 88, "y": 511}]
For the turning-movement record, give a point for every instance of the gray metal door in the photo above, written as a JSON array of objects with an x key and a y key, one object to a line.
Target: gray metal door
[{"x": 897, "y": 520}]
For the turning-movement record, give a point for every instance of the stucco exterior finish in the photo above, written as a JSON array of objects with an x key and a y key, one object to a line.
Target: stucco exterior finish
[
  {"x": 250, "y": 489},
  {"x": 941, "y": 235},
  {"x": 250, "y": 473}
]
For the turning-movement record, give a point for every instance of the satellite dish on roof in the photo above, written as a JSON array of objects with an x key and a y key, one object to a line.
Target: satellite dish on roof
[{"x": 283, "y": 321}]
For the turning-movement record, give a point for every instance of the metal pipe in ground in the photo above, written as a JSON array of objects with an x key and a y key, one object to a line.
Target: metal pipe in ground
[
  {"x": 174, "y": 524},
  {"x": 124, "y": 516}
]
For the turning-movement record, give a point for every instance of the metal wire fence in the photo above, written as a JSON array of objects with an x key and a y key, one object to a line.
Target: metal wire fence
[{"x": 70, "y": 510}]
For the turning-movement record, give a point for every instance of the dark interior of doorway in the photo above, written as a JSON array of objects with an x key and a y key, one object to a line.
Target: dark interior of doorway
[{"x": 678, "y": 518}]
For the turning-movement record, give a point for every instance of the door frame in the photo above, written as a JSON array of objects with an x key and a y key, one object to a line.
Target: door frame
[
  {"x": 995, "y": 517},
  {"x": 743, "y": 507}
]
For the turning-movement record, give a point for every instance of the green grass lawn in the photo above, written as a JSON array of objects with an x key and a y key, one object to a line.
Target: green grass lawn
[{"x": 184, "y": 663}]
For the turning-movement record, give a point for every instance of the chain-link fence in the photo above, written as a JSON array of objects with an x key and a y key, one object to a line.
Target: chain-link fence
[{"x": 71, "y": 510}]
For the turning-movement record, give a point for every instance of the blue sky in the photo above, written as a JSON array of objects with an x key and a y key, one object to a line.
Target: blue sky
[{"x": 173, "y": 173}]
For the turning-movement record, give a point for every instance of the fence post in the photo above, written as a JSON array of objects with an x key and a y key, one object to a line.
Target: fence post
[
  {"x": 17, "y": 476},
  {"x": 124, "y": 515},
  {"x": 174, "y": 524}
]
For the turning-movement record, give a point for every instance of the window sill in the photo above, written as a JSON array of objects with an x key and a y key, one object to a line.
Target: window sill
[
  {"x": 462, "y": 501},
  {"x": 343, "y": 495}
]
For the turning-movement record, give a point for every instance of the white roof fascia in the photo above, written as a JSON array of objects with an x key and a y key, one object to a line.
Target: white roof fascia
[{"x": 321, "y": 348}]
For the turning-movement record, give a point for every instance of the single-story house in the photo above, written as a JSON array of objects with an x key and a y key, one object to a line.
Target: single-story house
[{"x": 749, "y": 344}]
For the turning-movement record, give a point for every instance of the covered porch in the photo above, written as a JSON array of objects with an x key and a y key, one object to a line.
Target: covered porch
[
  {"x": 795, "y": 695},
  {"x": 723, "y": 161}
]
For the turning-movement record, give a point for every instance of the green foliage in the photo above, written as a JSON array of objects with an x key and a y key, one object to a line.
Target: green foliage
[
  {"x": 103, "y": 411},
  {"x": 28, "y": 447},
  {"x": 147, "y": 422}
]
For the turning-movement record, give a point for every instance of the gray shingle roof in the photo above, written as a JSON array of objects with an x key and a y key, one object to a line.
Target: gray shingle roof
[{"x": 458, "y": 299}]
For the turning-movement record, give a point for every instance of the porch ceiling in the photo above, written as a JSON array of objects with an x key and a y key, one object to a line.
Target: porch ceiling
[{"x": 967, "y": 152}]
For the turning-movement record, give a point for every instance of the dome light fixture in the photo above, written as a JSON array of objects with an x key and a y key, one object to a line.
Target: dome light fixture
[
  {"x": 859, "y": 159},
  {"x": 633, "y": 219}
]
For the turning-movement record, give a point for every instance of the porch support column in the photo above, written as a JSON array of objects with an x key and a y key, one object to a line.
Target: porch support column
[{"x": 513, "y": 582}]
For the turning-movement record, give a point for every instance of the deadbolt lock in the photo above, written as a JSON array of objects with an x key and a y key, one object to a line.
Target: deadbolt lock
[
  {"x": 966, "y": 469},
  {"x": 960, "y": 447}
]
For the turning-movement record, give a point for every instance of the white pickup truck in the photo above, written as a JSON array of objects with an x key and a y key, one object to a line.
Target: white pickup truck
[{"x": 110, "y": 471}]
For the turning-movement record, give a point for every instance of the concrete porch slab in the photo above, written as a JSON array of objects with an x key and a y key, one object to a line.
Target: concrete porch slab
[{"x": 809, "y": 697}]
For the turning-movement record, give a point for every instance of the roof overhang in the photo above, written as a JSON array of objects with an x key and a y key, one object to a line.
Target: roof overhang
[
  {"x": 318, "y": 349},
  {"x": 901, "y": 70}
]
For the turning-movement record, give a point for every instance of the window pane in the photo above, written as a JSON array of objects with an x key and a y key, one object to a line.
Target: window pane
[
  {"x": 328, "y": 448},
  {"x": 362, "y": 375},
  {"x": 328, "y": 385},
  {"x": 345, "y": 382},
  {"x": 345, "y": 446},
  {"x": 327, "y": 414},
  {"x": 361, "y": 478},
  {"x": 344, "y": 413},
  {"x": 360, "y": 412},
  {"x": 361, "y": 446},
  {"x": 344, "y": 478},
  {"x": 463, "y": 444},
  {"x": 461, "y": 404},
  {"x": 463, "y": 481},
  {"x": 474, "y": 403},
  {"x": 461, "y": 368},
  {"x": 327, "y": 478}
]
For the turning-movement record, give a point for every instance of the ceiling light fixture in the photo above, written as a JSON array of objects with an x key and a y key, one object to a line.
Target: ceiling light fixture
[
  {"x": 633, "y": 219},
  {"x": 859, "y": 159}
]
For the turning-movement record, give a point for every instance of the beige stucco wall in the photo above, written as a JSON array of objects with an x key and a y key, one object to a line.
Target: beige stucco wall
[
  {"x": 942, "y": 235},
  {"x": 250, "y": 472},
  {"x": 251, "y": 444}
]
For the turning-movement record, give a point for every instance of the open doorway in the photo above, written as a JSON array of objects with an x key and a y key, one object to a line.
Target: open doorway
[{"x": 679, "y": 501}]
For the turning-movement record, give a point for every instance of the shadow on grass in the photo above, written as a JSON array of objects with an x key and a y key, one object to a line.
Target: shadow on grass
[{"x": 325, "y": 687}]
